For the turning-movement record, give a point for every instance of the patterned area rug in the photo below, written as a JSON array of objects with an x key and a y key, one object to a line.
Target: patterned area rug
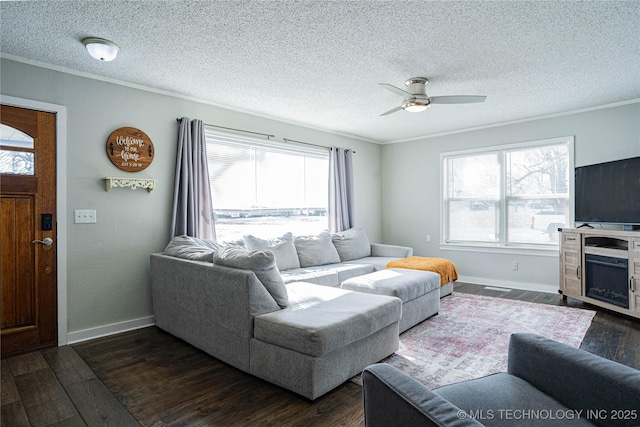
[{"x": 469, "y": 338}]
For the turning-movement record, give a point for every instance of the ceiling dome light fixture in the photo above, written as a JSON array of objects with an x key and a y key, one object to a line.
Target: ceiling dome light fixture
[{"x": 101, "y": 49}]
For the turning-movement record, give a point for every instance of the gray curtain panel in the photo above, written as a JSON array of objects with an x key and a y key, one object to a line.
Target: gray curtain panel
[
  {"x": 340, "y": 189},
  {"x": 192, "y": 207}
]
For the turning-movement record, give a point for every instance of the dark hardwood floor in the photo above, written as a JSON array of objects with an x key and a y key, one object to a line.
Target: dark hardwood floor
[
  {"x": 162, "y": 381},
  {"x": 55, "y": 387}
]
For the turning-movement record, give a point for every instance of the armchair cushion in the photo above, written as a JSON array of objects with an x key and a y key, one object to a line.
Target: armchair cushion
[{"x": 501, "y": 399}]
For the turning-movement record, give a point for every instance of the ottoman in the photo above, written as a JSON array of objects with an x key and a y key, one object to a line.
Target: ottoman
[{"x": 419, "y": 291}]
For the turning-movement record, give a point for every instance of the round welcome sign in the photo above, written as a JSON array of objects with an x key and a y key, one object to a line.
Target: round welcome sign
[{"x": 130, "y": 149}]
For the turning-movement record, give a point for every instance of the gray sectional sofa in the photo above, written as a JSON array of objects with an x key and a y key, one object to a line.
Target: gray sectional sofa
[{"x": 274, "y": 308}]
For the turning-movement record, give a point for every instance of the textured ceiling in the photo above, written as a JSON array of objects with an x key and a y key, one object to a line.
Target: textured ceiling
[{"x": 318, "y": 63}]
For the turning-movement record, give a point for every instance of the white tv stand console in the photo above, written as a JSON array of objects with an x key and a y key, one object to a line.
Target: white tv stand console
[{"x": 601, "y": 267}]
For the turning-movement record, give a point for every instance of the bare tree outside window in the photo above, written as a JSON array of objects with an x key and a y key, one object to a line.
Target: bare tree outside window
[{"x": 16, "y": 162}]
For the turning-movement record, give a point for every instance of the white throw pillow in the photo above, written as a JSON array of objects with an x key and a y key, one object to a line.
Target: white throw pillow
[
  {"x": 316, "y": 250},
  {"x": 262, "y": 263},
  {"x": 352, "y": 244},
  {"x": 282, "y": 247}
]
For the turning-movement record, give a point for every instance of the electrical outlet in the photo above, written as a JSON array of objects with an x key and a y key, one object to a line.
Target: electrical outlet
[
  {"x": 428, "y": 238},
  {"x": 84, "y": 216},
  {"x": 514, "y": 266}
]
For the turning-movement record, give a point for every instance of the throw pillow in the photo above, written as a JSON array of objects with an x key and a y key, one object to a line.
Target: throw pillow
[
  {"x": 262, "y": 263},
  {"x": 191, "y": 248},
  {"x": 316, "y": 250},
  {"x": 352, "y": 244},
  {"x": 282, "y": 247}
]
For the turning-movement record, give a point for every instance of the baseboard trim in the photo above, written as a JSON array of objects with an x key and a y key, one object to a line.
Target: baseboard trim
[
  {"x": 524, "y": 286},
  {"x": 111, "y": 329}
]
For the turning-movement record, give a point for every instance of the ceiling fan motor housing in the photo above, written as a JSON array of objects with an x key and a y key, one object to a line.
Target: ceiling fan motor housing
[{"x": 417, "y": 85}]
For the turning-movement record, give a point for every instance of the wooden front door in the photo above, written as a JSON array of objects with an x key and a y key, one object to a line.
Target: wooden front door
[{"x": 27, "y": 230}]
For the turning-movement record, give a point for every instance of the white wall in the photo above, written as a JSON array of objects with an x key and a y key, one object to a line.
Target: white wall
[
  {"x": 411, "y": 193},
  {"x": 108, "y": 262}
]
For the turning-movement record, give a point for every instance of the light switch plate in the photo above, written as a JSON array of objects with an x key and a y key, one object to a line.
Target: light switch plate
[{"x": 84, "y": 216}]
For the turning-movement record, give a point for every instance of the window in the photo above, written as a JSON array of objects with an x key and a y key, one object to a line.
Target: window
[
  {"x": 266, "y": 188},
  {"x": 17, "y": 152},
  {"x": 507, "y": 196}
]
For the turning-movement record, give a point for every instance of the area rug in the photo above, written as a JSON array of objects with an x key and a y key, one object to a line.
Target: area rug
[{"x": 469, "y": 338}]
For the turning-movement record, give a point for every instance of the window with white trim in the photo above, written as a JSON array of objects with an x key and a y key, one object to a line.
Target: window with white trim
[
  {"x": 508, "y": 196},
  {"x": 266, "y": 188}
]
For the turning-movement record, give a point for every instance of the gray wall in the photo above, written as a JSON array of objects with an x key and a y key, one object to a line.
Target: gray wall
[
  {"x": 108, "y": 262},
  {"x": 397, "y": 185},
  {"x": 411, "y": 192}
]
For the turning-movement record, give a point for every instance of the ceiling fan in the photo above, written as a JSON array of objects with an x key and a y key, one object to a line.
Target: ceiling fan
[{"x": 417, "y": 100}]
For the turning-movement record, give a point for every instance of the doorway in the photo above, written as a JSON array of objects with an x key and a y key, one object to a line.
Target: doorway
[{"x": 28, "y": 230}]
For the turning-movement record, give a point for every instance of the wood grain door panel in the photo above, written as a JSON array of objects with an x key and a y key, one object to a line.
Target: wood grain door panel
[{"x": 17, "y": 254}]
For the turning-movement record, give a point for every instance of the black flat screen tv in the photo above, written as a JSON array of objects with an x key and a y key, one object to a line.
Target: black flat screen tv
[{"x": 609, "y": 192}]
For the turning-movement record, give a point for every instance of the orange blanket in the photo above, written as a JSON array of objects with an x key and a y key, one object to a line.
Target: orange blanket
[{"x": 445, "y": 268}]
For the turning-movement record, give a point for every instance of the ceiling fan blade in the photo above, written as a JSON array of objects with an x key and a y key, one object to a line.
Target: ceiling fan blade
[
  {"x": 395, "y": 90},
  {"x": 457, "y": 99},
  {"x": 391, "y": 111}
]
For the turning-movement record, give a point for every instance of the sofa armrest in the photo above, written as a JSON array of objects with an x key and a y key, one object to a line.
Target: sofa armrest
[
  {"x": 392, "y": 251},
  {"x": 392, "y": 398},
  {"x": 576, "y": 378}
]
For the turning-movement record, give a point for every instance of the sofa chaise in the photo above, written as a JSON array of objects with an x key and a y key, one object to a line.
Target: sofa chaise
[{"x": 547, "y": 383}]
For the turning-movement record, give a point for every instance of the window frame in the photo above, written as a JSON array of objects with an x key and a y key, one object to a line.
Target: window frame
[{"x": 502, "y": 245}]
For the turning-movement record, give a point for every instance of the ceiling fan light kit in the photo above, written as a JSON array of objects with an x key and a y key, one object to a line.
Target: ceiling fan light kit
[
  {"x": 416, "y": 99},
  {"x": 414, "y": 106}
]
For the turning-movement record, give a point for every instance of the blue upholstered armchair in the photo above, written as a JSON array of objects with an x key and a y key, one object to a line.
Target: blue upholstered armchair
[{"x": 547, "y": 384}]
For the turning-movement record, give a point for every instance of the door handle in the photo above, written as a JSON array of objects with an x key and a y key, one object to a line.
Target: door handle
[{"x": 47, "y": 241}]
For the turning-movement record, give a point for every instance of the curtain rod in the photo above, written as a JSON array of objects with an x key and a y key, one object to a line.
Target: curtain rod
[
  {"x": 313, "y": 145},
  {"x": 179, "y": 119}
]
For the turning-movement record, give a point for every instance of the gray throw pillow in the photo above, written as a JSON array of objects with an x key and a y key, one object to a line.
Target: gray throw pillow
[
  {"x": 282, "y": 247},
  {"x": 316, "y": 250},
  {"x": 352, "y": 244},
  {"x": 262, "y": 263},
  {"x": 192, "y": 248}
]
